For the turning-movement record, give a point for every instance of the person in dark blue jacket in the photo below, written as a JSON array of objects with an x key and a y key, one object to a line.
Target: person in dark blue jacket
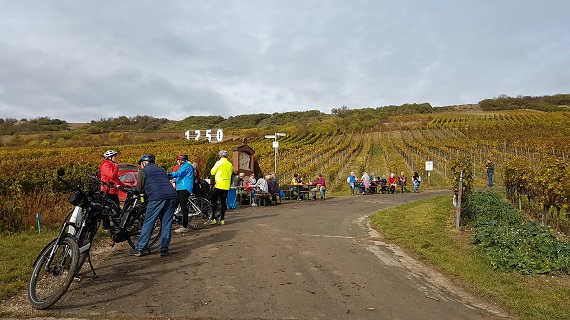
[
  {"x": 184, "y": 181},
  {"x": 161, "y": 198}
]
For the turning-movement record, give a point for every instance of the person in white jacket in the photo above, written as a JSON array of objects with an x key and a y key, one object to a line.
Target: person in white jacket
[{"x": 260, "y": 186}]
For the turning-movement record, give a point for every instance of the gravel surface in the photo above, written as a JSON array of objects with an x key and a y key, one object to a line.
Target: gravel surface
[{"x": 296, "y": 260}]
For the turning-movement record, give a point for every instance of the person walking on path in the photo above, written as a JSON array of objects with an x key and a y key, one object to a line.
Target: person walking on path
[
  {"x": 161, "y": 198},
  {"x": 222, "y": 172},
  {"x": 184, "y": 181},
  {"x": 490, "y": 171}
]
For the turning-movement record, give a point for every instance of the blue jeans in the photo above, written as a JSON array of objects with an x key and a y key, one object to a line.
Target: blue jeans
[
  {"x": 352, "y": 187},
  {"x": 416, "y": 186},
  {"x": 321, "y": 192},
  {"x": 163, "y": 209},
  {"x": 490, "y": 178}
]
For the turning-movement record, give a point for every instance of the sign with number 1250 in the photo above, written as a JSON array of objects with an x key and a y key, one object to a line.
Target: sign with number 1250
[{"x": 197, "y": 135}]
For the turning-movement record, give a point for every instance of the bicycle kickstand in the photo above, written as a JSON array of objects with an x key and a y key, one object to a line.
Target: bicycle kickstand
[{"x": 91, "y": 265}]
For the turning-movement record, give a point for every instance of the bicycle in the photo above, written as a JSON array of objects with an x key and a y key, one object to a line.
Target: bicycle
[
  {"x": 124, "y": 224},
  {"x": 58, "y": 263},
  {"x": 199, "y": 212},
  {"x": 127, "y": 226},
  {"x": 76, "y": 237}
]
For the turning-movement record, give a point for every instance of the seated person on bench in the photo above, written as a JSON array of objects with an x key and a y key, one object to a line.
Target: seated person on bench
[
  {"x": 383, "y": 184},
  {"x": 260, "y": 187},
  {"x": 320, "y": 186},
  {"x": 241, "y": 183}
]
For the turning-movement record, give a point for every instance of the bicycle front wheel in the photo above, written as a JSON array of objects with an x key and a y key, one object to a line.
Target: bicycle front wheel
[
  {"x": 199, "y": 212},
  {"x": 134, "y": 231},
  {"x": 51, "y": 278}
]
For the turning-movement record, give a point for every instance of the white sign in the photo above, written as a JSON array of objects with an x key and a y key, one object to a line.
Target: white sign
[
  {"x": 197, "y": 135},
  {"x": 429, "y": 165},
  {"x": 275, "y": 144}
]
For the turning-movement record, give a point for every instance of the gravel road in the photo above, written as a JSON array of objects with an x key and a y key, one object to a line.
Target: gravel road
[{"x": 307, "y": 260}]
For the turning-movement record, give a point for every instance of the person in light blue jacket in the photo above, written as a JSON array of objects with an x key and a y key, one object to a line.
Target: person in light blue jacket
[{"x": 184, "y": 181}]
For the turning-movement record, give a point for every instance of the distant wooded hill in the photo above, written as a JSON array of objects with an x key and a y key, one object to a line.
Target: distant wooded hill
[{"x": 341, "y": 119}]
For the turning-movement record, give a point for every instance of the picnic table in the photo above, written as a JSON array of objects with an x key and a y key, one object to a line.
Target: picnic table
[{"x": 302, "y": 189}]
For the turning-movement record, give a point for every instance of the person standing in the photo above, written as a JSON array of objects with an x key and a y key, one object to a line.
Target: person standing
[
  {"x": 109, "y": 170},
  {"x": 351, "y": 180},
  {"x": 273, "y": 187},
  {"x": 490, "y": 171},
  {"x": 196, "y": 172},
  {"x": 161, "y": 198},
  {"x": 184, "y": 181},
  {"x": 222, "y": 171}
]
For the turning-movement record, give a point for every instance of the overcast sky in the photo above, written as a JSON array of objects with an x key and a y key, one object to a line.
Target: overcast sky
[{"x": 86, "y": 60}]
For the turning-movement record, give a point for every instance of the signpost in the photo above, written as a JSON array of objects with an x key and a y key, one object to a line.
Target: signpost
[
  {"x": 275, "y": 145},
  {"x": 39, "y": 217},
  {"x": 429, "y": 167}
]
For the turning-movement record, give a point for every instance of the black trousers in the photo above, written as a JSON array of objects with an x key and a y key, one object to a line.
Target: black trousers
[
  {"x": 182, "y": 200},
  {"x": 222, "y": 195}
]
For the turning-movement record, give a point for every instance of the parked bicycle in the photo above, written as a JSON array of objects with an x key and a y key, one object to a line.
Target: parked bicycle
[
  {"x": 60, "y": 261},
  {"x": 199, "y": 212},
  {"x": 127, "y": 226}
]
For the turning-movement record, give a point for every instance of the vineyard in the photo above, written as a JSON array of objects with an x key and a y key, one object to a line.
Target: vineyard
[{"x": 529, "y": 148}]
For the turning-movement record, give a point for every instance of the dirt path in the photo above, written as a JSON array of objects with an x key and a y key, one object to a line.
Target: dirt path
[{"x": 309, "y": 260}]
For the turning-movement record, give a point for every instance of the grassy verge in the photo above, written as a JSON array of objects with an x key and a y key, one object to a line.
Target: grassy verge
[
  {"x": 426, "y": 229},
  {"x": 18, "y": 251}
]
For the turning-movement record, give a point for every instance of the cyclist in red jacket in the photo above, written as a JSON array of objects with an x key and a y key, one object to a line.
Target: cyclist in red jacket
[{"x": 109, "y": 170}]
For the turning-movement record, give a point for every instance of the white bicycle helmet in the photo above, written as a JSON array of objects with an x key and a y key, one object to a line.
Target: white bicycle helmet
[
  {"x": 109, "y": 153},
  {"x": 223, "y": 153}
]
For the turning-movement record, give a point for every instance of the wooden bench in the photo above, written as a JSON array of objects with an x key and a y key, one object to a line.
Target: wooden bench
[
  {"x": 262, "y": 197},
  {"x": 304, "y": 193},
  {"x": 318, "y": 193},
  {"x": 277, "y": 196}
]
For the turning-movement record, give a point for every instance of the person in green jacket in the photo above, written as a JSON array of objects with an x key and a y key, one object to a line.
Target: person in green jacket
[{"x": 222, "y": 171}]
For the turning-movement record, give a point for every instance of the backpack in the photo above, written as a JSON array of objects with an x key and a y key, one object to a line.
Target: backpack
[{"x": 201, "y": 188}]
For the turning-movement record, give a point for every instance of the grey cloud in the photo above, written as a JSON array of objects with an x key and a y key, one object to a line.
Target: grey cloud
[{"x": 82, "y": 61}]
